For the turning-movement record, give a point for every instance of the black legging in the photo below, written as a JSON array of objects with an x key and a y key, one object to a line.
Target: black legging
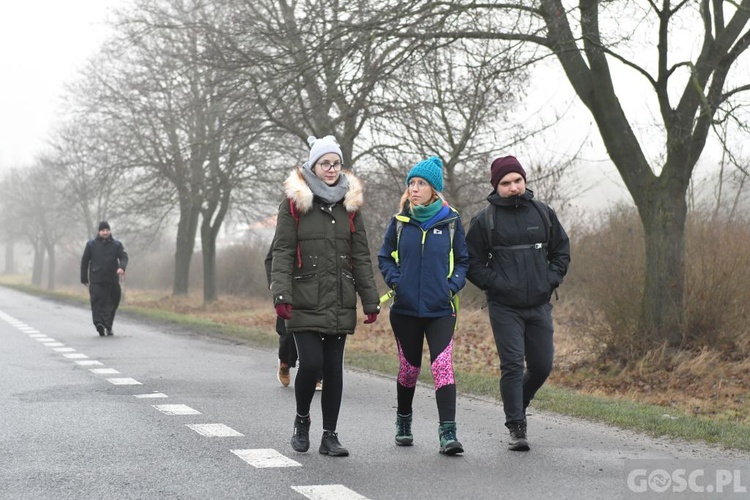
[
  {"x": 410, "y": 332},
  {"x": 320, "y": 353}
]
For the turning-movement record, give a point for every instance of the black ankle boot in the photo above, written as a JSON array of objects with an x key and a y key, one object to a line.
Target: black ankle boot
[
  {"x": 330, "y": 445},
  {"x": 301, "y": 436},
  {"x": 518, "y": 441}
]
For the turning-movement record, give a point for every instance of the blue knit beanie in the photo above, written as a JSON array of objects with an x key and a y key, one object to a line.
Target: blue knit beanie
[{"x": 430, "y": 170}]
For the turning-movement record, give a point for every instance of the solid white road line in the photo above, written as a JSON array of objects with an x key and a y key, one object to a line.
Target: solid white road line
[
  {"x": 265, "y": 458},
  {"x": 214, "y": 430},
  {"x": 176, "y": 410},
  {"x": 328, "y": 492}
]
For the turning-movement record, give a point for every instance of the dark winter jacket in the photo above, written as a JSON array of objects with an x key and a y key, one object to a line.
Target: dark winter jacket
[
  {"x": 520, "y": 267},
  {"x": 421, "y": 278},
  {"x": 320, "y": 263},
  {"x": 101, "y": 259}
]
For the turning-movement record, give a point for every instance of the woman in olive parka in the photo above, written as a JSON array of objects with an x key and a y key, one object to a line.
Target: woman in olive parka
[{"x": 321, "y": 261}]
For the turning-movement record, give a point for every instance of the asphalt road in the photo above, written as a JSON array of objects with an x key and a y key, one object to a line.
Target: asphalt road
[{"x": 159, "y": 413}]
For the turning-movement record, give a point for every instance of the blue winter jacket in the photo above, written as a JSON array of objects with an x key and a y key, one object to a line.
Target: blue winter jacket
[{"x": 420, "y": 278}]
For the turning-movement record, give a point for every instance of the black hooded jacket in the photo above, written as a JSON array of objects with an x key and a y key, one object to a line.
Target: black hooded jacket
[{"x": 527, "y": 256}]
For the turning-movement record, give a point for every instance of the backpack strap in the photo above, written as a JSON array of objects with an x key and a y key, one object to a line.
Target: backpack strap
[{"x": 489, "y": 218}]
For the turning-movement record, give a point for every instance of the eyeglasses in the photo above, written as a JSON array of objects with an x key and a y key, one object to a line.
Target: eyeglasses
[
  {"x": 417, "y": 184},
  {"x": 328, "y": 166}
]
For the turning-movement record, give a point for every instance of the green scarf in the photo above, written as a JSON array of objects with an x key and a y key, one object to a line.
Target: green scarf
[{"x": 424, "y": 213}]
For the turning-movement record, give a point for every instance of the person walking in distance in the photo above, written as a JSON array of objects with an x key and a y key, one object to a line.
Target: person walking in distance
[
  {"x": 518, "y": 254},
  {"x": 424, "y": 261},
  {"x": 287, "y": 349},
  {"x": 102, "y": 266},
  {"x": 321, "y": 262}
]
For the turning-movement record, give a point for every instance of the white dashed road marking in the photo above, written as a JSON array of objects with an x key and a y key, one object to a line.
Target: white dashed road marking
[
  {"x": 103, "y": 371},
  {"x": 75, "y": 355},
  {"x": 176, "y": 410},
  {"x": 328, "y": 492},
  {"x": 258, "y": 458},
  {"x": 214, "y": 430},
  {"x": 265, "y": 458},
  {"x": 123, "y": 381},
  {"x": 151, "y": 395},
  {"x": 89, "y": 362}
]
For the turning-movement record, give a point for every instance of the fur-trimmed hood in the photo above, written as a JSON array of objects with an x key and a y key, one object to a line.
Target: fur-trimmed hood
[{"x": 297, "y": 190}]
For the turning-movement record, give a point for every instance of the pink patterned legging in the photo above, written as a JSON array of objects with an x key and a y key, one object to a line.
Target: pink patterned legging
[{"x": 410, "y": 332}]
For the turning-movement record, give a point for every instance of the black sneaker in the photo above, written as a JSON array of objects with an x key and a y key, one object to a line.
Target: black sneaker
[
  {"x": 330, "y": 445},
  {"x": 100, "y": 329},
  {"x": 301, "y": 436},
  {"x": 518, "y": 441},
  {"x": 109, "y": 331}
]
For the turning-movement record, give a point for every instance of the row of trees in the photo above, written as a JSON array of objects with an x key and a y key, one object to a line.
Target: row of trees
[{"x": 195, "y": 111}]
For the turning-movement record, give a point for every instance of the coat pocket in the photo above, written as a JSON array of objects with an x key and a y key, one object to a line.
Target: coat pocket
[
  {"x": 348, "y": 291},
  {"x": 305, "y": 291}
]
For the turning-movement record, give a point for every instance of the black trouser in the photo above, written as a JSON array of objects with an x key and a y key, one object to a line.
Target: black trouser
[
  {"x": 410, "y": 332},
  {"x": 105, "y": 298},
  {"x": 320, "y": 353},
  {"x": 522, "y": 334},
  {"x": 287, "y": 349}
]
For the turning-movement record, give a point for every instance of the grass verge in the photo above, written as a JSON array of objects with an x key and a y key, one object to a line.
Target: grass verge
[{"x": 626, "y": 414}]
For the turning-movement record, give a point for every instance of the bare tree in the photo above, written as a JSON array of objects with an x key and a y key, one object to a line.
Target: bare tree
[
  {"x": 37, "y": 204},
  {"x": 690, "y": 93}
]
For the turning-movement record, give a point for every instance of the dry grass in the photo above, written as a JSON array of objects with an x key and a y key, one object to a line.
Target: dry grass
[{"x": 707, "y": 383}]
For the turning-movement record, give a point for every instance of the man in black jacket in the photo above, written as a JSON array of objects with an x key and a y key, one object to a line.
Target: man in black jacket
[
  {"x": 518, "y": 254},
  {"x": 103, "y": 264}
]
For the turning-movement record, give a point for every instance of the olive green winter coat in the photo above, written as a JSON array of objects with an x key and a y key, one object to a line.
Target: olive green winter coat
[{"x": 321, "y": 262}]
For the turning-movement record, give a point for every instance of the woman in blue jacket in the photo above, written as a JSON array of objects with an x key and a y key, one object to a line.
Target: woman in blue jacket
[{"x": 424, "y": 263}]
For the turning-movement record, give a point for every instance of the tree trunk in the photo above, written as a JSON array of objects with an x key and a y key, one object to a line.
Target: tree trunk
[
  {"x": 36, "y": 272},
  {"x": 51, "y": 268},
  {"x": 183, "y": 256},
  {"x": 663, "y": 309},
  {"x": 208, "y": 244},
  {"x": 10, "y": 258}
]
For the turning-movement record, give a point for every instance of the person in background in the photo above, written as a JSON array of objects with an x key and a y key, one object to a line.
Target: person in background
[
  {"x": 287, "y": 349},
  {"x": 518, "y": 254},
  {"x": 424, "y": 261},
  {"x": 102, "y": 266},
  {"x": 321, "y": 262}
]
